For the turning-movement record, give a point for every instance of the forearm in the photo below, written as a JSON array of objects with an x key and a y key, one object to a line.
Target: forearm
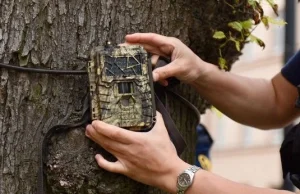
[
  {"x": 208, "y": 183},
  {"x": 256, "y": 102}
]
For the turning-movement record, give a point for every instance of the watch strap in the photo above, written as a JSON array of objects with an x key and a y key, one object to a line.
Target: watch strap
[
  {"x": 192, "y": 169},
  {"x": 180, "y": 192}
]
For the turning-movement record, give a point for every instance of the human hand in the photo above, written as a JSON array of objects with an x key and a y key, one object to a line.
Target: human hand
[
  {"x": 185, "y": 66},
  {"x": 150, "y": 157}
]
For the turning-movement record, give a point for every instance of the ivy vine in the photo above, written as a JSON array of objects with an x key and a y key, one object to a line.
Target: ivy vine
[{"x": 241, "y": 31}]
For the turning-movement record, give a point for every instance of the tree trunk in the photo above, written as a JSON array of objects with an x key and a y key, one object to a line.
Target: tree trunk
[{"x": 58, "y": 34}]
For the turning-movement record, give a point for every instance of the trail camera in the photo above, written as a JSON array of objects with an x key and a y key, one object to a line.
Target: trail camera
[{"x": 121, "y": 87}]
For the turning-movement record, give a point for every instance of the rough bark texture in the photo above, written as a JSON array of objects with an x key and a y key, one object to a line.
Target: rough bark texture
[{"x": 55, "y": 34}]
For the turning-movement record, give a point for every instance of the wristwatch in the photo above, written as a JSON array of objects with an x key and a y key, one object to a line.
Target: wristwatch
[{"x": 185, "y": 179}]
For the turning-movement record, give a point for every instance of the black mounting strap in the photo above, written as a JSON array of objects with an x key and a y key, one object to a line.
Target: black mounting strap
[
  {"x": 174, "y": 134},
  {"x": 160, "y": 95},
  {"x": 43, "y": 71},
  {"x": 85, "y": 119}
]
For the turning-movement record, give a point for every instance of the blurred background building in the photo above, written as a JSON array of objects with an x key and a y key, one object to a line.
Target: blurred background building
[{"x": 242, "y": 153}]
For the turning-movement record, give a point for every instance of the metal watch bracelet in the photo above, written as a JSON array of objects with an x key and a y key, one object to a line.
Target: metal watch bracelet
[{"x": 191, "y": 172}]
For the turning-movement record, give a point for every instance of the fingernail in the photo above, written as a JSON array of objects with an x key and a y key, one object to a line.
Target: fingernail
[
  {"x": 94, "y": 123},
  {"x": 128, "y": 35},
  {"x": 97, "y": 156}
]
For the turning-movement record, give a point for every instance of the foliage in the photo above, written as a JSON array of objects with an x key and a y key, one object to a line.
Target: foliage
[{"x": 241, "y": 31}]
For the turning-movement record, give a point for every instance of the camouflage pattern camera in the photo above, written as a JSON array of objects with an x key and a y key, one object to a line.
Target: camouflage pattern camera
[{"x": 121, "y": 87}]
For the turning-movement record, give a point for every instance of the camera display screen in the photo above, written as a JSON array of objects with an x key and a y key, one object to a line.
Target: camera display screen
[{"x": 123, "y": 66}]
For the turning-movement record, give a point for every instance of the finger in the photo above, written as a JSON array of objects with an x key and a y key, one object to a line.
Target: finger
[
  {"x": 115, "y": 167},
  {"x": 170, "y": 70},
  {"x": 154, "y": 50},
  {"x": 146, "y": 38},
  {"x": 165, "y": 44},
  {"x": 160, "y": 126},
  {"x": 164, "y": 83},
  {"x": 159, "y": 117},
  {"x": 159, "y": 123},
  {"x": 108, "y": 144},
  {"x": 154, "y": 59},
  {"x": 124, "y": 44},
  {"x": 148, "y": 48},
  {"x": 113, "y": 132}
]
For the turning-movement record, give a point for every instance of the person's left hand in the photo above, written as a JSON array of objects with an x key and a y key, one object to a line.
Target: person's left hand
[{"x": 147, "y": 157}]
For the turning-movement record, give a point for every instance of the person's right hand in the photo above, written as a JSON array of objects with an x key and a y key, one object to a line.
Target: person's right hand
[
  {"x": 185, "y": 66},
  {"x": 147, "y": 157}
]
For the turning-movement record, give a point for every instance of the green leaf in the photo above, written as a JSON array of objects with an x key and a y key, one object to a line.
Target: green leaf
[
  {"x": 279, "y": 22},
  {"x": 237, "y": 44},
  {"x": 265, "y": 21},
  {"x": 222, "y": 63},
  {"x": 252, "y": 2},
  {"x": 217, "y": 112},
  {"x": 247, "y": 24},
  {"x": 269, "y": 20},
  {"x": 236, "y": 25},
  {"x": 219, "y": 35},
  {"x": 257, "y": 41}
]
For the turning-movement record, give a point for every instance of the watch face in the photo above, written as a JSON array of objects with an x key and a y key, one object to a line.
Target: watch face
[{"x": 184, "y": 180}]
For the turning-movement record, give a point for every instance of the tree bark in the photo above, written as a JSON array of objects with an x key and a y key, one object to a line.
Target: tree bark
[{"x": 58, "y": 34}]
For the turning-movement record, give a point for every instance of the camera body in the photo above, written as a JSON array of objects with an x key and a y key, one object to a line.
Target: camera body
[{"x": 121, "y": 87}]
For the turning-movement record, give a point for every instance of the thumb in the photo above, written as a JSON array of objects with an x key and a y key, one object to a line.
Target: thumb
[
  {"x": 159, "y": 117},
  {"x": 115, "y": 167},
  {"x": 170, "y": 70},
  {"x": 160, "y": 124}
]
